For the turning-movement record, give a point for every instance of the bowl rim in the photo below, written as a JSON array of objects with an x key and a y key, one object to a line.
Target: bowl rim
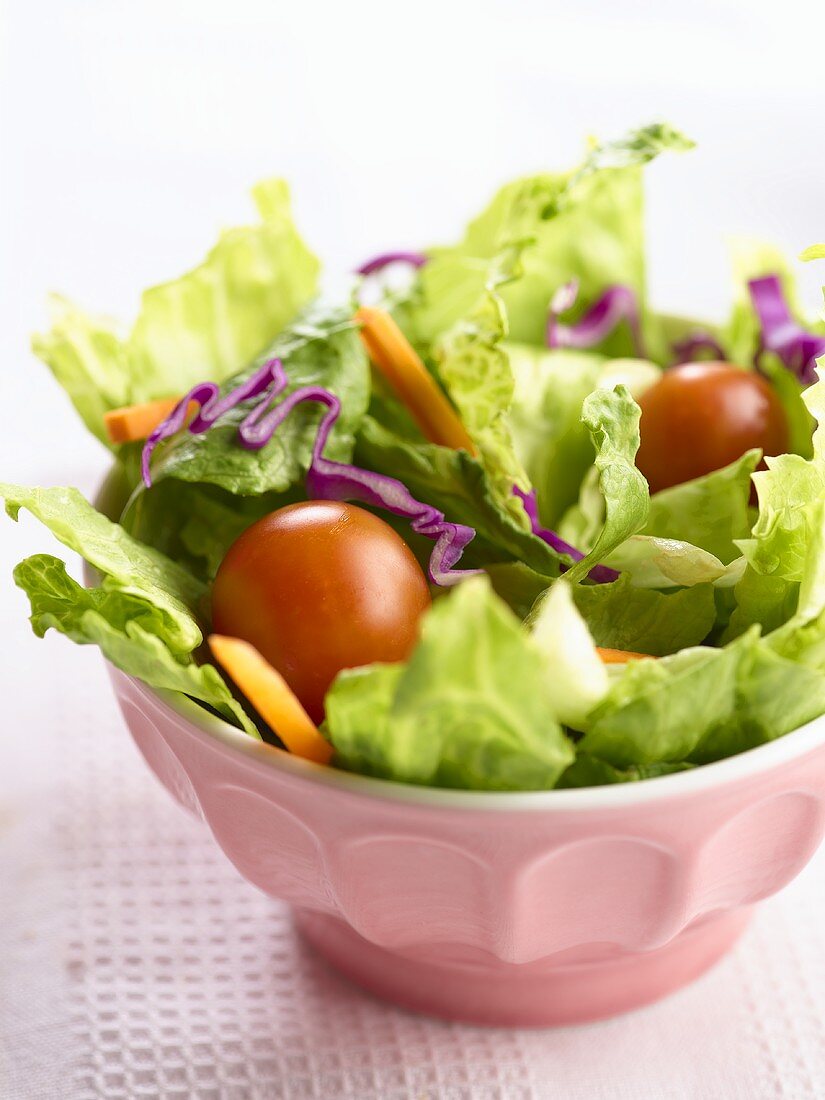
[
  {"x": 748, "y": 764},
  {"x": 744, "y": 765}
]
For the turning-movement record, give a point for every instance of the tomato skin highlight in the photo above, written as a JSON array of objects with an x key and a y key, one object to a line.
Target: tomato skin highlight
[
  {"x": 700, "y": 417},
  {"x": 317, "y": 587}
]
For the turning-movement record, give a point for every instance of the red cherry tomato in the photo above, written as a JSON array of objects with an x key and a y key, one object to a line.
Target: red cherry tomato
[
  {"x": 701, "y": 416},
  {"x": 317, "y": 587}
]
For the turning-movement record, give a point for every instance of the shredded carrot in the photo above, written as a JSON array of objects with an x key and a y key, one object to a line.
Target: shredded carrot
[
  {"x": 398, "y": 361},
  {"x": 133, "y": 422},
  {"x": 271, "y": 696},
  {"x": 620, "y": 656}
]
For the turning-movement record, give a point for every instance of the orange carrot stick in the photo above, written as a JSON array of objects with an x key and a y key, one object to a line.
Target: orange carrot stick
[
  {"x": 272, "y": 697},
  {"x": 395, "y": 357},
  {"x": 620, "y": 656},
  {"x": 133, "y": 422}
]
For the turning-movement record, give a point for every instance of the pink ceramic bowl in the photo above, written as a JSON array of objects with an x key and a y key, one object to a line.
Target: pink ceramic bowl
[{"x": 539, "y": 908}]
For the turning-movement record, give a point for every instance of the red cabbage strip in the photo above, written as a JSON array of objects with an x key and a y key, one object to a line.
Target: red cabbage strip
[
  {"x": 690, "y": 347},
  {"x": 601, "y": 574},
  {"x": 270, "y": 378},
  {"x": 378, "y": 263},
  {"x": 617, "y": 304},
  {"x": 797, "y": 348}
]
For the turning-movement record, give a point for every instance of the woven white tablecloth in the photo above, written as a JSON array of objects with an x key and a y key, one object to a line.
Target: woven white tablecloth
[{"x": 134, "y": 961}]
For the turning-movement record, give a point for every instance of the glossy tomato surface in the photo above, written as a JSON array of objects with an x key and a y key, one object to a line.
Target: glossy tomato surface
[
  {"x": 701, "y": 416},
  {"x": 317, "y": 587}
]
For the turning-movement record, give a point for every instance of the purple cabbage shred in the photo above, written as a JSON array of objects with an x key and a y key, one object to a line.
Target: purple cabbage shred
[
  {"x": 269, "y": 378},
  {"x": 386, "y": 259},
  {"x": 617, "y": 303},
  {"x": 781, "y": 334},
  {"x": 695, "y": 344}
]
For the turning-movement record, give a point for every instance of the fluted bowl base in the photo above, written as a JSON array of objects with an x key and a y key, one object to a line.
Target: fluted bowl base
[{"x": 536, "y": 994}]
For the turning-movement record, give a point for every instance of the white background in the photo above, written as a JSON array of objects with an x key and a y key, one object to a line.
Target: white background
[{"x": 131, "y": 133}]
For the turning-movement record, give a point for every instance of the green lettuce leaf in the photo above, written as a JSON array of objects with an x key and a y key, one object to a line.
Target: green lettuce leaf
[
  {"x": 767, "y": 601},
  {"x": 584, "y": 224},
  {"x": 802, "y": 637},
  {"x": 791, "y": 393},
  {"x": 778, "y": 542},
  {"x": 642, "y": 620},
  {"x": 472, "y": 708},
  {"x": 130, "y": 566},
  {"x": 710, "y": 512},
  {"x": 545, "y": 419},
  {"x": 196, "y": 524},
  {"x": 581, "y": 523},
  {"x": 587, "y": 771},
  {"x": 475, "y": 370},
  {"x": 612, "y": 417},
  {"x": 321, "y": 348},
  {"x": 779, "y": 547},
  {"x": 703, "y": 704},
  {"x": 130, "y": 631},
  {"x": 518, "y": 585},
  {"x": 550, "y": 437},
  {"x": 144, "y": 615},
  {"x": 651, "y": 562},
  {"x": 205, "y": 325}
]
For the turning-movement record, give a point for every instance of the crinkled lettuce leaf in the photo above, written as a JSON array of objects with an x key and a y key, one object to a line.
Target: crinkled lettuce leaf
[
  {"x": 791, "y": 393},
  {"x": 587, "y": 771},
  {"x": 321, "y": 348},
  {"x": 545, "y": 419},
  {"x": 551, "y": 439},
  {"x": 474, "y": 706},
  {"x": 692, "y": 531},
  {"x": 612, "y": 418},
  {"x": 475, "y": 369},
  {"x": 768, "y": 601},
  {"x": 703, "y": 704},
  {"x": 145, "y": 614},
  {"x": 518, "y": 585},
  {"x": 802, "y": 636},
  {"x": 585, "y": 224},
  {"x": 778, "y": 548},
  {"x": 130, "y": 631},
  {"x": 710, "y": 512},
  {"x": 132, "y": 567},
  {"x": 207, "y": 324},
  {"x": 651, "y": 562},
  {"x": 196, "y": 524},
  {"x": 778, "y": 542},
  {"x": 643, "y": 620}
]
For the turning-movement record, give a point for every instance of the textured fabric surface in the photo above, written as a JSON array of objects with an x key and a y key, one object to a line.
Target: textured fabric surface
[{"x": 135, "y": 963}]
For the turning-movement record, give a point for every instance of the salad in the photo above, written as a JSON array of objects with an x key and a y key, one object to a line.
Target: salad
[{"x": 497, "y": 524}]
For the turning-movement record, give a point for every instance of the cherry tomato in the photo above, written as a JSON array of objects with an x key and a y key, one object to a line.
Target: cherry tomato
[
  {"x": 317, "y": 587},
  {"x": 701, "y": 416}
]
